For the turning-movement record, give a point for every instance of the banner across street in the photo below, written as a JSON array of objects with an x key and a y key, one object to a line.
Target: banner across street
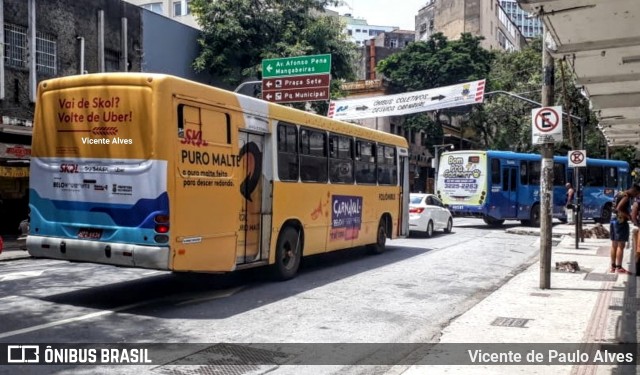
[{"x": 410, "y": 102}]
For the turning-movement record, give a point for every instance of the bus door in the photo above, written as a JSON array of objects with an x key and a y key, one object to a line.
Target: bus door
[
  {"x": 509, "y": 206},
  {"x": 403, "y": 212},
  {"x": 255, "y": 215}
]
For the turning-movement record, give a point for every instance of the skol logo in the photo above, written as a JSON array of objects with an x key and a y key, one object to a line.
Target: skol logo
[
  {"x": 194, "y": 138},
  {"x": 68, "y": 168}
]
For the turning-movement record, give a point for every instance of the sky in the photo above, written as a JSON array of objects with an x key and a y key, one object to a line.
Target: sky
[{"x": 399, "y": 13}]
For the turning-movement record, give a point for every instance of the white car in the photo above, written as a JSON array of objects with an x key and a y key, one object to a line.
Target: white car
[{"x": 427, "y": 213}]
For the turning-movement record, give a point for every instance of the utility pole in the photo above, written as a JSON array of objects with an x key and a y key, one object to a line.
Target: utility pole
[{"x": 546, "y": 173}]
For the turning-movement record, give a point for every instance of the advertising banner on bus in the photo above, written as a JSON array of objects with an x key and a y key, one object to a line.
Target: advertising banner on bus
[{"x": 462, "y": 177}]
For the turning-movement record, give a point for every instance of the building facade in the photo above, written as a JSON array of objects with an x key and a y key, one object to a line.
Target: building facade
[
  {"x": 530, "y": 26},
  {"x": 360, "y": 31},
  {"x": 177, "y": 10},
  {"x": 481, "y": 18}
]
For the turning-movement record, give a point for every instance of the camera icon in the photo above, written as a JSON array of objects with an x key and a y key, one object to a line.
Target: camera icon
[{"x": 23, "y": 353}]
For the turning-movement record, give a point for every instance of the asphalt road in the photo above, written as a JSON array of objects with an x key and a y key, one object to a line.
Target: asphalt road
[{"x": 406, "y": 295}]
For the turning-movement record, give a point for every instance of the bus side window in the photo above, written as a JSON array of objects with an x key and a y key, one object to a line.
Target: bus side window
[
  {"x": 203, "y": 126},
  {"x": 534, "y": 173},
  {"x": 495, "y": 171},
  {"x": 559, "y": 174},
  {"x": 313, "y": 155},
  {"x": 611, "y": 177},
  {"x": 180, "y": 120},
  {"x": 387, "y": 171},
  {"x": 524, "y": 173},
  {"x": 594, "y": 176},
  {"x": 340, "y": 159},
  {"x": 365, "y": 162},
  {"x": 287, "y": 152}
]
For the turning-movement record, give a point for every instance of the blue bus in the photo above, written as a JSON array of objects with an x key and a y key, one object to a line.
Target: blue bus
[{"x": 504, "y": 185}]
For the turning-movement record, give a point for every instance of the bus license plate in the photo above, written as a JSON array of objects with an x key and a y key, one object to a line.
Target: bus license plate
[{"x": 90, "y": 233}]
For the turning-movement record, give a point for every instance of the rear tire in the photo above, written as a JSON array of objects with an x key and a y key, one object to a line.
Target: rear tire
[
  {"x": 429, "y": 231},
  {"x": 288, "y": 254},
  {"x": 381, "y": 239},
  {"x": 449, "y": 226}
]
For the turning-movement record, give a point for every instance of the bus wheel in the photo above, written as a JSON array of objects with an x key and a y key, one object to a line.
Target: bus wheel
[
  {"x": 534, "y": 220},
  {"x": 288, "y": 254},
  {"x": 492, "y": 222},
  {"x": 605, "y": 218},
  {"x": 381, "y": 239}
]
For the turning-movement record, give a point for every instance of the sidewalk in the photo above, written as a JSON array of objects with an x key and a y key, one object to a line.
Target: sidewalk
[{"x": 588, "y": 306}]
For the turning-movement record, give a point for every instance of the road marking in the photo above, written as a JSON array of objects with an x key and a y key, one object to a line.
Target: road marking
[
  {"x": 27, "y": 274},
  {"x": 20, "y": 275},
  {"x": 31, "y": 264},
  {"x": 76, "y": 319},
  {"x": 220, "y": 294}
]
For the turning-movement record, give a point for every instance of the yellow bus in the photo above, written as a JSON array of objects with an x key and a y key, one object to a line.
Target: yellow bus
[{"x": 154, "y": 171}]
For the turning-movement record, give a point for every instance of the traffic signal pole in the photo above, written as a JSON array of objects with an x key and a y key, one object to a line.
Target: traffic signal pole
[{"x": 546, "y": 175}]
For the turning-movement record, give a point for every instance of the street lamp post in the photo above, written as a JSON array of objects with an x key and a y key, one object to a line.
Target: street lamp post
[{"x": 437, "y": 163}]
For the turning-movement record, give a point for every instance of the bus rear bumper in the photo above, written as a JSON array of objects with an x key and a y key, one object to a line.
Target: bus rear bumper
[{"x": 117, "y": 254}]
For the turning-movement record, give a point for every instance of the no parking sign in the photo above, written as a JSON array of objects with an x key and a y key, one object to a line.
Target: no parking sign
[
  {"x": 546, "y": 125},
  {"x": 577, "y": 158}
]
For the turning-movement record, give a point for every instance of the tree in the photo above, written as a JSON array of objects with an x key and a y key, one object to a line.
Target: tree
[
  {"x": 504, "y": 122},
  {"x": 434, "y": 63},
  {"x": 238, "y": 34}
]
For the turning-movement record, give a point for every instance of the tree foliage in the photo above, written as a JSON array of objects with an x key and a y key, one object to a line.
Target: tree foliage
[
  {"x": 238, "y": 34},
  {"x": 437, "y": 62},
  {"x": 502, "y": 122},
  {"x": 433, "y": 63}
]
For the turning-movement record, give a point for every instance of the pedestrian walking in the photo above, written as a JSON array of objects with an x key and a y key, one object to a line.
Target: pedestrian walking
[{"x": 619, "y": 227}]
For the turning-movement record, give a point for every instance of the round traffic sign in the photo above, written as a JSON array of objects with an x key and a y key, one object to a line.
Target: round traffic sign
[
  {"x": 576, "y": 157},
  {"x": 547, "y": 119}
]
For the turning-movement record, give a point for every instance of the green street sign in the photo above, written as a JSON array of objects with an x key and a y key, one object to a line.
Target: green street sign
[{"x": 295, "y": 66}]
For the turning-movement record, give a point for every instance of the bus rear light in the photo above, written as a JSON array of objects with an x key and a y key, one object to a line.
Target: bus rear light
[
  {"x": 161, "y": 238},
  {"x": 416, "y": 210},
  {"x": 162, "y": 228},
  {"x": 161, "y": 219}
]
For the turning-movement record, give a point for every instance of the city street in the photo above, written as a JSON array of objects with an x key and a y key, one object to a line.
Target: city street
[{"x": 407, "y": 295}]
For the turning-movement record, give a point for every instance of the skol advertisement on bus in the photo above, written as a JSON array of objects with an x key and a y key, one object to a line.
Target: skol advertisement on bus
[{"x": 462, "y": 176}]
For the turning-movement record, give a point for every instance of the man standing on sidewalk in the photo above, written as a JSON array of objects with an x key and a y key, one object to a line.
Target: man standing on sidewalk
[
  {"x": 619, "y": 227},
  {"x": 568, "y": 206}
]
